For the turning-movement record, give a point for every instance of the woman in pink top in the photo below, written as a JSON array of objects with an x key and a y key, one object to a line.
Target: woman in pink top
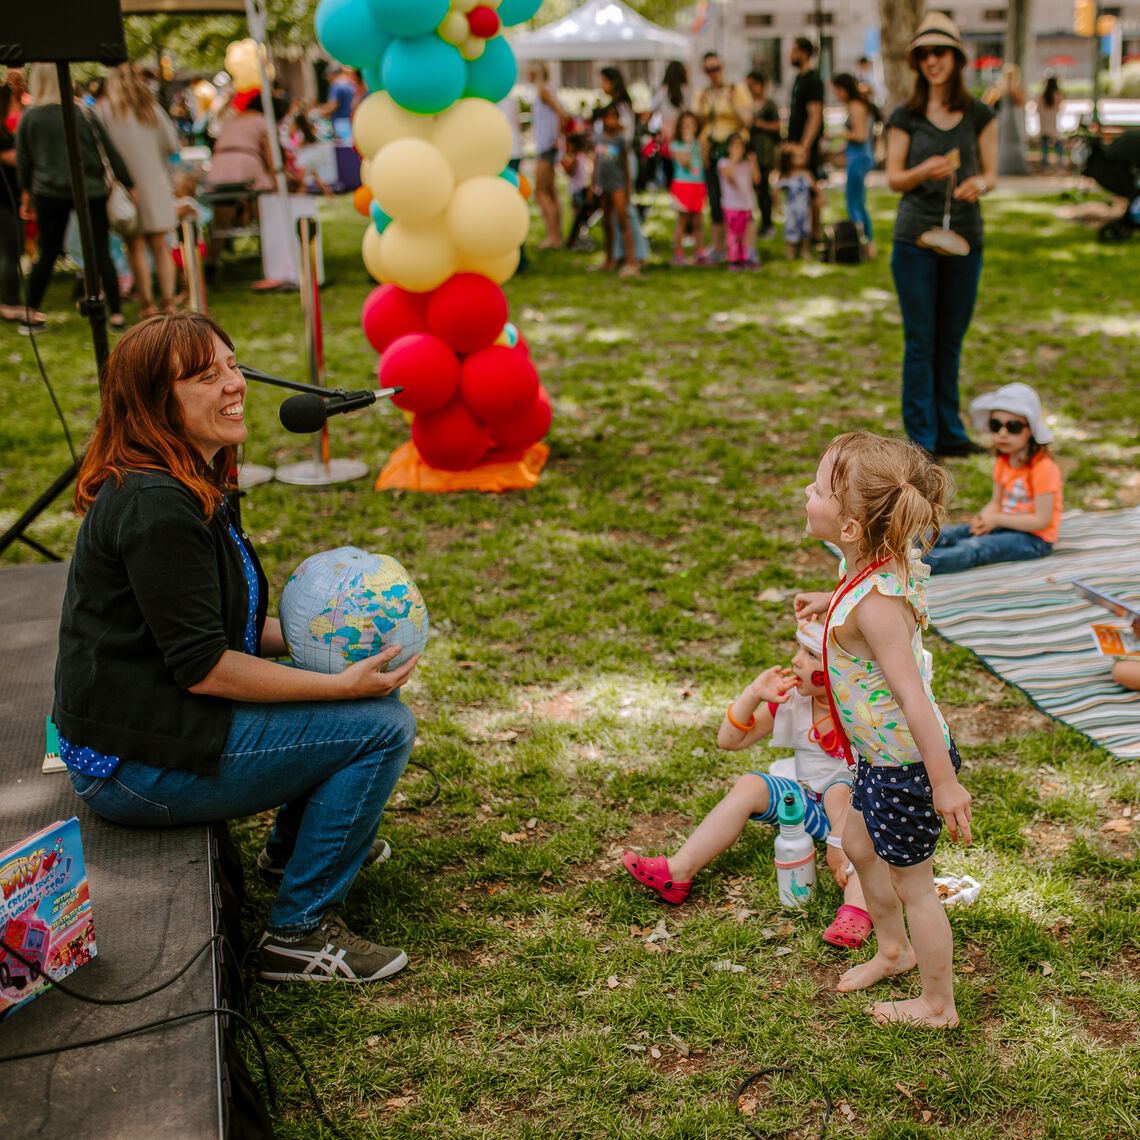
[{"x": 1023, "y": 516}]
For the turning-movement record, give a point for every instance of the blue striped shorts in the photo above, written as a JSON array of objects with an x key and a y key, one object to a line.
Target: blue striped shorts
[{"x": 815, "y": 818}]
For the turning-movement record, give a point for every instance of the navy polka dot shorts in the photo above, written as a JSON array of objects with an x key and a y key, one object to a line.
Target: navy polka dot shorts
[{"x": 897, "y": 805}]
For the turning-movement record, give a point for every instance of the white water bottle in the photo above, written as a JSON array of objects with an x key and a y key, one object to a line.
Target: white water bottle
[{"x": 795, "y": 853}]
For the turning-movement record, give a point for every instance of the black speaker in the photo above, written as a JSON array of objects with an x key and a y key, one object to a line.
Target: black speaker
[{"x": 62, "y": 31}]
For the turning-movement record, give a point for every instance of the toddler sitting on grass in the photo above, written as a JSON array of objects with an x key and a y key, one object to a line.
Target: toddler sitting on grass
[{"x": 790, "y": 705}]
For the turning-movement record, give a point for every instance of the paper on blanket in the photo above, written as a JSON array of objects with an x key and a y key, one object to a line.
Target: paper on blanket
[{"x": 1115, "y": 641}]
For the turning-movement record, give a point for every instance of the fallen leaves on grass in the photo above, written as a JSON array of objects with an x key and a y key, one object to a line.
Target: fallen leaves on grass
[{"x": 1124, "y": 826}]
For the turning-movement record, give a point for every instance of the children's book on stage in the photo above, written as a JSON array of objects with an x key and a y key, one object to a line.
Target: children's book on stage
[
  {"x": 45, "y": 913},
  {"x": 1115, "y": 641}
]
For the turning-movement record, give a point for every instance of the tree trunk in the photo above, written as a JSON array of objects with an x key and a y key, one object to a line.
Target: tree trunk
[
  {"x": 898, "y": 20},
  {"x": 1012, "y": 158}
]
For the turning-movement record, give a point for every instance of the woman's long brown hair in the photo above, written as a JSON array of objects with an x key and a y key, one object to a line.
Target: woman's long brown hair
[
  {"x": 140, "y": 421},
  {"x": 958, "y": 97}
]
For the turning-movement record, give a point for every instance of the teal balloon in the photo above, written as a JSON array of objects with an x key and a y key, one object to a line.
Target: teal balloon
[
  {"x": 494, "y": 73},
  {"x": 410, "y": 17},
  {"x": 371, "y": 76},
  {"x": 424, "y": 75},
  {"x": 379, "y": 219},
  {"x": 511, "y": 176},
  {"x": 516, "y": 11},
  {"x": 512, "y": 334},
  {"x": 348, "y": 32}
]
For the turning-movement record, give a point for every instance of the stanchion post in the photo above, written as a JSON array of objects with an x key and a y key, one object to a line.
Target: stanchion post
[
  {"x": 192, "y": 265},
  {"x": 322, "y": 470}
]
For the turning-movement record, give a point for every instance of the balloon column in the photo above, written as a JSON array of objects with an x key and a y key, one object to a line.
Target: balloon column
[{"x": 447, "y": 216}]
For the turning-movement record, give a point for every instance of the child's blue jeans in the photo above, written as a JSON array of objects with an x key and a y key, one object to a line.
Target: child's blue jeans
[{"x": 958, "y": 549}]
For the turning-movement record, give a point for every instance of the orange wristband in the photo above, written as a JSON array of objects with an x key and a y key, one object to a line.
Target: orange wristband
[{"x": 736, "y": 724}]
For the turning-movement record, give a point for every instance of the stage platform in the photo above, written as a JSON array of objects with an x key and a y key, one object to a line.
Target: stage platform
[{"x": 152, "y": 895}]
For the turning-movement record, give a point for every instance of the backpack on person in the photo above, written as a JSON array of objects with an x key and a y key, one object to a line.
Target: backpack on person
[{"x": 843, "y": 243}]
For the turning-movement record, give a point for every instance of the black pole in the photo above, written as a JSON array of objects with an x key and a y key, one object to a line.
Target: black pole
[{"x": 91, "y": 306}]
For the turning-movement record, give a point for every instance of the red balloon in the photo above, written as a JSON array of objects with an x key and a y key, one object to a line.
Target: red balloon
[
  {"x": 483, "y": 22},
  {"x": 498, "y": 383},
  {"x": 450, "y": 438},
  {"x": 425, "y": 367},
  {"x": 518, "y": 434},
  {"x": 468, "y": 311},
  {"x": 390, "y": 312}
]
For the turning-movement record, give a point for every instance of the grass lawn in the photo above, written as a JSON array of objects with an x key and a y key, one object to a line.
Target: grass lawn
[{"x": 587, "y": 638}]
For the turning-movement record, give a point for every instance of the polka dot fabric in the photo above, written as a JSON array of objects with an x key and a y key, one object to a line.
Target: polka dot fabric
[
  {"x": 86, "y": 760},
  {"x": 897, "y": 805}
]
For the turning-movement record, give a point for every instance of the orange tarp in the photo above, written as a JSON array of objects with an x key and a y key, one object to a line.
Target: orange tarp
[{"x": 406, "y": 471}]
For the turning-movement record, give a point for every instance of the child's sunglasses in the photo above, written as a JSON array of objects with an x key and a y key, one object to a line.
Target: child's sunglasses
[
  {"x": 1014, "y": 427},
  {"x": 937, "y": 52}
]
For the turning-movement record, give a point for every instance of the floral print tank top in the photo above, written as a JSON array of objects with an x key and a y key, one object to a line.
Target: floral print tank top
[{"x": 870, "y": 715}]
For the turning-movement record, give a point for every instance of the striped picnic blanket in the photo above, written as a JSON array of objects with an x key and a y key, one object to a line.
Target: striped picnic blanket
[{"x": 1026, "y": 623}]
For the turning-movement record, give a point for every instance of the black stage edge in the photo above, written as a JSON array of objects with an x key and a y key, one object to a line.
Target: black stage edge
[{"x": 153, "y": 902}]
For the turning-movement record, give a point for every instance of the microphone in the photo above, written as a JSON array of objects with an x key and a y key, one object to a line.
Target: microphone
[{"x": 307, "y": 412}]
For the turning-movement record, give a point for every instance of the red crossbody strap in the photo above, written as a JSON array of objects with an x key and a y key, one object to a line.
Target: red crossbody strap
[{"x": 841, "y": 591}]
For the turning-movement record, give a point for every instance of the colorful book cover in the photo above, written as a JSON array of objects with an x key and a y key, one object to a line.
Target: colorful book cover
[
  {"x": 45, "y": 913},
  {"x": 1115, "y": 641}
]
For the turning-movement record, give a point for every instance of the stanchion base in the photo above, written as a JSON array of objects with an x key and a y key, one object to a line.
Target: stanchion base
[
  {"x": 313, "y": 474},
  {"x": 253, "y": 475}
]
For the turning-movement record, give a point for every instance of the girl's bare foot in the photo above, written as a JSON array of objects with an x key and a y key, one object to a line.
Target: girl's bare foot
[
  {"x": 630, "y": 269},
  {"x": 917, "y": 1011},
  {"x": 882, "y": 965}
]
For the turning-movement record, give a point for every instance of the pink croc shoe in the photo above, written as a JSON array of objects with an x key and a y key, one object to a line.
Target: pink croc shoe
[
  {"x": 850, "y": 929},
  {"x": 653, "y": 872}
]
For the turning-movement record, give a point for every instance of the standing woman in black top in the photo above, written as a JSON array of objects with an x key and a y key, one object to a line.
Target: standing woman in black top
[
  {"x": 941, "y": 125},
  {"x": 45, "y": 187}
]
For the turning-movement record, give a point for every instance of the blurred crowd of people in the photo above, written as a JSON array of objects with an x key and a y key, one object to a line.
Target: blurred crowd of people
[{"x": 130, "y": 135}]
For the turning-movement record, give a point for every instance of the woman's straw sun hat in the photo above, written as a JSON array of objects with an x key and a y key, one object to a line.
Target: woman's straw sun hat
[{"x": 936, "y": 30}]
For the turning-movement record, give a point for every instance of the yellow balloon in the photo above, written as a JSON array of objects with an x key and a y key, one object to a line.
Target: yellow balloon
[
  {"x": 499, "y": 269},
  {"x": 412, "y": 180},
  {"x": 365, "y": 167},
  {"x": 371, "y": 250},
  {"x": 379, "y": 120},
  {"x": 418, "y": 258},
  {"x": 487, "y": 218},
  {"x": 464, "y": 6},
  {"x": 241, "y": 63},
  {"x": 476, "y": 138},
  {"x": 454, "y": 29},
  {"x": 472, "y": 48}
]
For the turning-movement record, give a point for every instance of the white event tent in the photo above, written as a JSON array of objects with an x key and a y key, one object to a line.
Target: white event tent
[{"x": 602, "y": 32}]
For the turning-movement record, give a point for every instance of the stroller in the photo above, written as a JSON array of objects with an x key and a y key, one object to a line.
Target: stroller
[{"x": 1117, "y": 168}]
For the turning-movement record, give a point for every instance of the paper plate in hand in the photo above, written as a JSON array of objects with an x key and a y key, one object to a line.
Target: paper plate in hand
[{"x": 945, "y": 241}]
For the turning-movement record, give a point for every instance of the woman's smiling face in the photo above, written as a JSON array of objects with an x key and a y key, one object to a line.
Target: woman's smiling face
[{"x": 213, "y": 403}]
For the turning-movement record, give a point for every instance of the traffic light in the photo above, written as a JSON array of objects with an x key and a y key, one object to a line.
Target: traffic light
[{"x": 1084, "y": 17}]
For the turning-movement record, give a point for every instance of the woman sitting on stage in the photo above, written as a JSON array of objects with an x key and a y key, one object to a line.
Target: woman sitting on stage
[{"x": 167, "y": 712}]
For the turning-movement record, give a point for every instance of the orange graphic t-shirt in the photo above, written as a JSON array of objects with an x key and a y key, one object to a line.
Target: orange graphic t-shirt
[{"x": 1021, "y": 485}]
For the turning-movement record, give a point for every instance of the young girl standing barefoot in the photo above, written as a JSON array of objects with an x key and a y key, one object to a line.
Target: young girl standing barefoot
[{"x": 875, "y": 498}]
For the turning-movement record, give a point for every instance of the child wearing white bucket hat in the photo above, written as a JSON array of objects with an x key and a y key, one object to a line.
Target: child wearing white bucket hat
[
  {"x": 1023, "y": 516},
  {"x": 791, "y": 706}
]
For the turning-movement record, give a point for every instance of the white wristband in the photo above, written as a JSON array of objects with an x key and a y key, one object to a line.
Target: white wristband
[{"x": 834, "y": 841}]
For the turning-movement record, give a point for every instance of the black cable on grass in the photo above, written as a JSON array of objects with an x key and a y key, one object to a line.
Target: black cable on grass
[
  {"x": 220, "y": 1011},
  {"x": 430, "y": 800},
  {"x": 786, "y": 1070},
  {"x": 35, "y": 347}
]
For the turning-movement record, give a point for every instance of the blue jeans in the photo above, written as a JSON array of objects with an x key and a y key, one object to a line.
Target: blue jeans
[
  {"x": 958, "y": 549},
  {"x": 859, "y": 164},
  {"x": 333, "y": 764},
  {"x": 936, "y": 296}
]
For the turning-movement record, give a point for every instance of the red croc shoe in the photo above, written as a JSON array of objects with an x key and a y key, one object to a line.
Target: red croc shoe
[
  {"x": 653, "y": 872},
  {"x": 850, "y": 929}
]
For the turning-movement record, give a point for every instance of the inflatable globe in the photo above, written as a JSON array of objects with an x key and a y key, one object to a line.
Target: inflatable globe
[{"x": 341, "y": 606}]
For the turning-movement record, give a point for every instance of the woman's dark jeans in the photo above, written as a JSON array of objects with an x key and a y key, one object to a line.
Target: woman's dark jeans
[
  {"x": 936, "y": 296},
  {"x": 51, "y": 217},
  {"x": 11, "y": 246}
]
